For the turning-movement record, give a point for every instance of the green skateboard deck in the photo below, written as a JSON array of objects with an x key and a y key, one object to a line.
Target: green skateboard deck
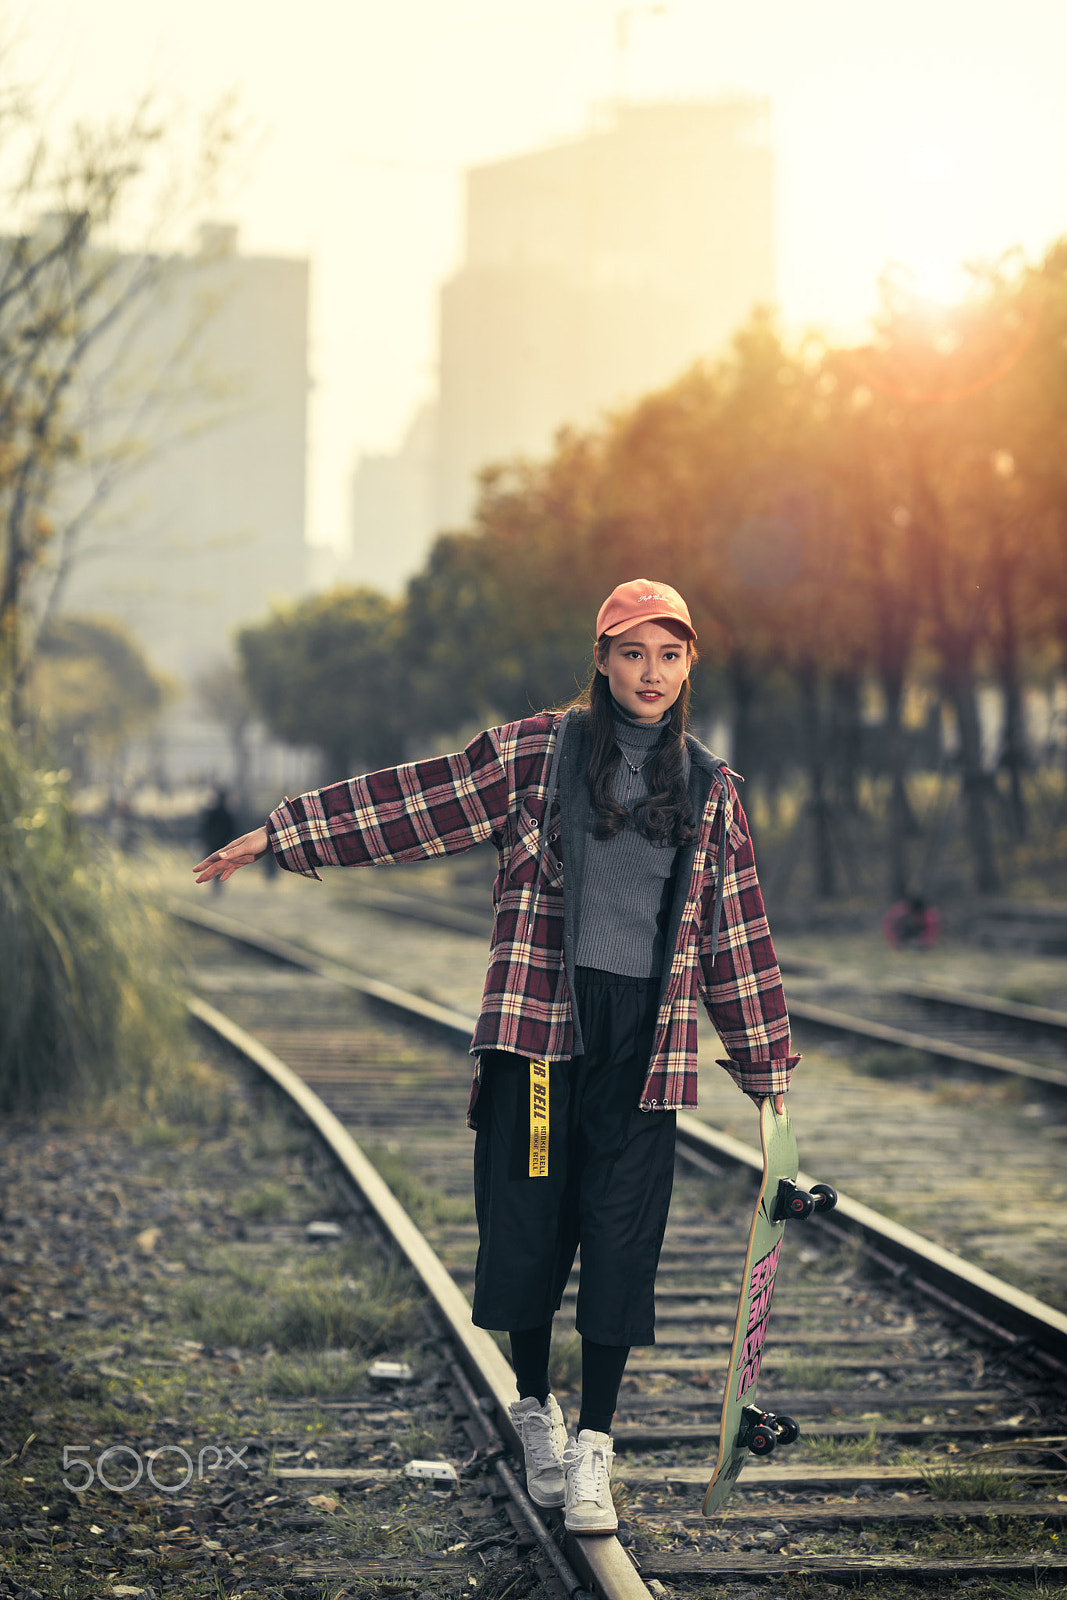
[{"x": 743, "y": 1427}]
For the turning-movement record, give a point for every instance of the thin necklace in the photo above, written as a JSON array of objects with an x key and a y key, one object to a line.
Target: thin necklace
[
  {"x": 633, "y": 770},
  {"x": 629, "y": 763}
]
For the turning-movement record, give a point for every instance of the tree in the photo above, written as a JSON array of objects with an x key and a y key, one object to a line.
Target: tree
[
  {"x": 889, "y": 516},
  {"x": 949, "y": 371},
  {"x": 223, "y": 695},
  {"x": 929, "y": 417},
  {"x": 73, "y": 406},
  {"x": 1029, "y": 483},
  {"x": 331, "y": 672},
  {"x": 93, "y": 690},
  {"x": 87, "y": 996},
  {"x": 459, "y": 652},
  {"x": 861, "y": 449}
]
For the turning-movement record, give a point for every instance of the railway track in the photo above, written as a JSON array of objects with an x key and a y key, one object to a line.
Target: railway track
[
  {"x": 947, "y": 1025},
  {"x": 932, "y": 1397},
  {"x": 950, "y": 1025},
  {"x": 948, "y": 1114}
]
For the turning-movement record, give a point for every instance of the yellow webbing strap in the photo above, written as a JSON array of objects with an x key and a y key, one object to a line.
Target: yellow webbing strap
[{"x": 538, "y": 1119}]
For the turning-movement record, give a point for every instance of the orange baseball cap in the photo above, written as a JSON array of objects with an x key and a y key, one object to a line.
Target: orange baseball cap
[{"x": 642, "y": 600}]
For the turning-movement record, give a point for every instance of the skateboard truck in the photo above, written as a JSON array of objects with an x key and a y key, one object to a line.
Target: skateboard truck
[
  {"x": 761, "y": 1430},
  {"x": 793, "y": 1202}
]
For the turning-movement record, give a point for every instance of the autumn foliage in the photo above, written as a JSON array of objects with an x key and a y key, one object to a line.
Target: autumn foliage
[{"x": 871, "y": 538}]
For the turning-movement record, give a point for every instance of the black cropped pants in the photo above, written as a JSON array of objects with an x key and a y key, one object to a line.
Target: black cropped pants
[{"x": 608, "y": 1187}]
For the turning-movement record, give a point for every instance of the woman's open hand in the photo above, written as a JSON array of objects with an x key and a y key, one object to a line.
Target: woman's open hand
[{"x": 238, "y": 853}]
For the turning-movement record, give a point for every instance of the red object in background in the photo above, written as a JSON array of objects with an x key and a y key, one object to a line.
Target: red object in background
[{"x": 913, "y": 923}]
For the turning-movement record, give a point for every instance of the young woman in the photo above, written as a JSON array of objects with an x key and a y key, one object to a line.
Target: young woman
[{"x": 626, "y": 889}]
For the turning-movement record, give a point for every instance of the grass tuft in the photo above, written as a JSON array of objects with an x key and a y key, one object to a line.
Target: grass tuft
[
  {"x": 266, "y": 1203},
  {"x": 326, "y": 1375},
  {"x": 803, "y": 1374},
  {"x": 968, "y": 1483},
  {"x": 423, "y": 1205},
  {"x": 275, "y": 1134},
  {"x": 1024, "y": 994},
  {"x": 841, "y": 1451},
  {"x": 88, "y": 1000},
  {"x": 381, "y": 1316},
  {"x": 890, "y": 1062}
]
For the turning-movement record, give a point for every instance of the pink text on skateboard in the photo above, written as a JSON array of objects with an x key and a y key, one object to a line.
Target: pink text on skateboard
[{"x": 761, "y": 1288}]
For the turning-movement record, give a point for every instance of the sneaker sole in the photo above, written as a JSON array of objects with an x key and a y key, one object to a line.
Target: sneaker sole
[{"x": 603, "y": 1530}]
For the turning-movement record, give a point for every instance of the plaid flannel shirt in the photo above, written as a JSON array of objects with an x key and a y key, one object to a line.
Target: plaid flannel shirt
[{"x": 496, "y": 789}]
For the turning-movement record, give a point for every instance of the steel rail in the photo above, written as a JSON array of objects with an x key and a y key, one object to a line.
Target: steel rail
[
  {"x": 410, "y": 1006},
  {"x": 1013, "y": 1317},
  {"x": 601, "y": 1561},
  {"x": 1006, "y": 1010},
  {"x": 929, "y": 1044},
  {"x": 999, "y": 1308},
  {"x": 437, "y": 913},
  {"x": 804, "y": 1010},
  {"x": 435, "y": 910}
]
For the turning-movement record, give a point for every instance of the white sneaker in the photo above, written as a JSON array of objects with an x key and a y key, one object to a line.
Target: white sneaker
[
  {"x": 544, "y": 1435},
  {"x": 587, "y": 1462}
]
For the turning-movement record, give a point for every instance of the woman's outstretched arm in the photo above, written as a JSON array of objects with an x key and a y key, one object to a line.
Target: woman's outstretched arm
[
  {"x": 440, "y": 806},
  {"x": 238, "y": 853}
]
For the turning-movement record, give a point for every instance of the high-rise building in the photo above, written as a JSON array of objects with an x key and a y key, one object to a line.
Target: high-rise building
[
  {"x": 197, "y": 403},
  {"x": 596, "y": 270},
  {"x": 393, "y": 509},
  {"x": 206, "y": 528}
]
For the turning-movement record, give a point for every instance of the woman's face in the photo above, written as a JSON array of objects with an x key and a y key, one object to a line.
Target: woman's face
[{"x": 646, "y": 667}]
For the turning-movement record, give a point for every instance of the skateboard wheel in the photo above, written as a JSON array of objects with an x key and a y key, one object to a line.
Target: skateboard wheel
[
  {"x": 788, "y": 1430},
  {"x": 825, "y": 1196},
  {"x": 763, "y": 1440},
  {"x": 801, "y": 1204}
]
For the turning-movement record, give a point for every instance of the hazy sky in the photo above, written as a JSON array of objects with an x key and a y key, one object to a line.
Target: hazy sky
[{"x": 924, "y": 132}]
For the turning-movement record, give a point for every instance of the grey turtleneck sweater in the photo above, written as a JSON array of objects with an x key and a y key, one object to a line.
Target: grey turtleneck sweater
[{"x": 626, "y": 880}]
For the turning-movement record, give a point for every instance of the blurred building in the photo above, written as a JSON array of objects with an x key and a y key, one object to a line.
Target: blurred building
[
  {"x": 205, "y": 387},
  {"x": 206, "y": 527},
  {"x": 597, "y": 270},
  {"x": 393, "y": 509},
  {"x": 594, "y": 271}
]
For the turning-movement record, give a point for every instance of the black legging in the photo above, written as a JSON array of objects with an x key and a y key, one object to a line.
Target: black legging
[{"x": 602, "y": 1369}]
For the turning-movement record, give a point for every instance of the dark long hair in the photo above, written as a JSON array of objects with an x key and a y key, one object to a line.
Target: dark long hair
[{"x": 666, "y": 815}]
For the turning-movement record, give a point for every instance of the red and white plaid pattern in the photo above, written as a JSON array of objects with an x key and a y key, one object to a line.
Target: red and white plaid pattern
[{"x": 495, "y": 789}]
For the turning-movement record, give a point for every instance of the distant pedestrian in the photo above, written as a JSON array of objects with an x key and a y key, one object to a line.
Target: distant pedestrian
[
  {"x": 217, "y": 827},
  {"x": 626, "y": 891},
  {"x": 121, "y": 823},
  {"x": 912, "y": 924}
]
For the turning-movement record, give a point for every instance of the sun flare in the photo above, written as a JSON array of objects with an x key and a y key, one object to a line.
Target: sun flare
[{"x": 924, "y": 183}]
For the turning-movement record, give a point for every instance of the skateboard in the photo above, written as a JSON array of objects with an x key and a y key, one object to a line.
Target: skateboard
[{"x": 744, "y": 1427}]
